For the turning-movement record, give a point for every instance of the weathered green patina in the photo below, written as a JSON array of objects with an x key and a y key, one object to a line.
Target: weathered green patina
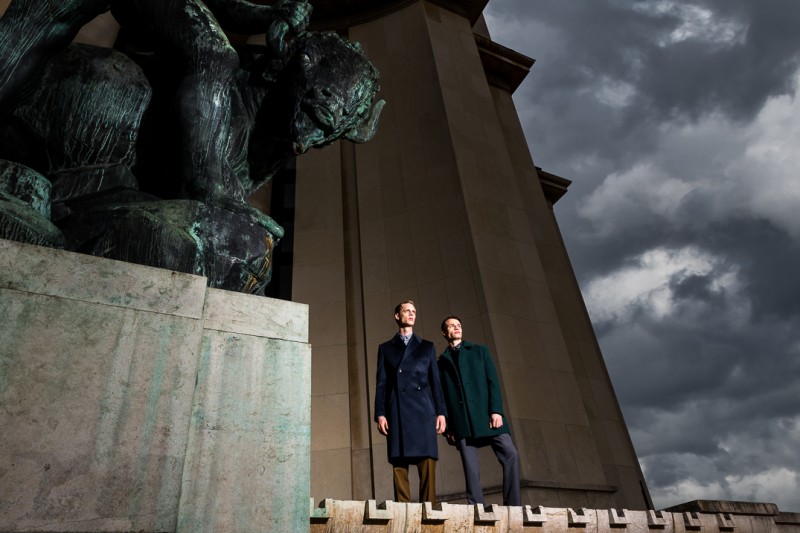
[{"x": 153, "y": 156}]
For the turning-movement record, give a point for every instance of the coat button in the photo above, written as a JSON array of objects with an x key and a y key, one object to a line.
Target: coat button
[{"x": 401, "y": 370}]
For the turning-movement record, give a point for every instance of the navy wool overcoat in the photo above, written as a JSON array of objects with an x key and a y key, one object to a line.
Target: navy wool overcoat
[{"x": 408, "y": 393}]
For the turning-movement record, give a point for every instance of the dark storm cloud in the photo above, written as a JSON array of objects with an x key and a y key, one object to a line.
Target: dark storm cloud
[
  {"x": 588, "y": 42},
  {"x": 675, "y": 121},
  {"x": 694, "y": 76},
  {"x": 768, "y": 259}
]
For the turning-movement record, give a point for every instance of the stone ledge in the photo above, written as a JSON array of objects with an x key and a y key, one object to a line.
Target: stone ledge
[
  {"x": 788, "y": 519},
  {"x": 705, "y": 516},
  {"x": 720, "y": 506},
  {"x": 536, "y": 484},
  {"x": 96, "y": 280}
]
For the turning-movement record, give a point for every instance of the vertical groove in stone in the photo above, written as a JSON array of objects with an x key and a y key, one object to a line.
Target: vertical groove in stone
[{"x": 357, "y": 364}]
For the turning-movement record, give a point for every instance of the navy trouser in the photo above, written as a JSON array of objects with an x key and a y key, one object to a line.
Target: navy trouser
[{"x": 506, "y": 453}]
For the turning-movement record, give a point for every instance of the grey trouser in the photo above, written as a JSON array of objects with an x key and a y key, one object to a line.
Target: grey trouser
[{"x": 506, "y": 453}]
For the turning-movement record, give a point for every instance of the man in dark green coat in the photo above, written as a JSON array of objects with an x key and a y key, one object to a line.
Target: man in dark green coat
[{"x": 475, "y": 412}]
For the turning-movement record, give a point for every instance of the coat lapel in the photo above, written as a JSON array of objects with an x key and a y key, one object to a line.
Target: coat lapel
[{"x": 449, "y": 357}]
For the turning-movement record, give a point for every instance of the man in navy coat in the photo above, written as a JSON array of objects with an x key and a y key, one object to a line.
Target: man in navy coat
[
  {"x": 475, "y": 407},
  {"x": 409, "y": 405}
]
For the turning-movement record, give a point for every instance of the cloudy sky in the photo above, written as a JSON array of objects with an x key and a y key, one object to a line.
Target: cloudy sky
[{"x": 678, "y": 123}]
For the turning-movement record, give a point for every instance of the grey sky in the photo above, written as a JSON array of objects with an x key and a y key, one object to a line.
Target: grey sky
[{"x": 678, "y": 124}]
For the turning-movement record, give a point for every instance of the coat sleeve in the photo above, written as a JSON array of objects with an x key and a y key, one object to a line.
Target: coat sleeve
[
  {"x": 380, "y": 387},
  {"x": 436, "y": 385},
  {"x": 492, "y": 383}
]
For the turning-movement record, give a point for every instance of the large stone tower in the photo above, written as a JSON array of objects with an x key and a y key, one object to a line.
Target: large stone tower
[{"x": 445, "y": 206}]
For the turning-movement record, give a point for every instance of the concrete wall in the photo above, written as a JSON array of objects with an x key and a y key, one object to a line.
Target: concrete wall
[{"x": 135, "y": 399}]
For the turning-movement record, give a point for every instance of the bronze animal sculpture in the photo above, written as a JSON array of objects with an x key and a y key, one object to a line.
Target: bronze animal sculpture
[{"x": 91, "y": 117}]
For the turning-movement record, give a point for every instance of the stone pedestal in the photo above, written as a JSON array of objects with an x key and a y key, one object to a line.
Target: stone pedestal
[{"x": 136, "y": 399}]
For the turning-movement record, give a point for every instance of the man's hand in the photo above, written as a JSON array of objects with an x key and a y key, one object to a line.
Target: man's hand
[
  {"x": 495, "y": 421},
  {"x": 450, "y": 438},
  {"x": 383, "y": 425},
  {"x": 441, "y": 424}
]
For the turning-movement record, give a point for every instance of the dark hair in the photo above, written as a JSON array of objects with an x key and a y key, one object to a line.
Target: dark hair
[
  {"x": 400, "y": 305},
  {"x": 448, "y": 317}
]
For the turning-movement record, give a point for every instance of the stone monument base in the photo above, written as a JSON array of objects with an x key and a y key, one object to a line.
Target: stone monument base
[{"x": 136, "y": 399}]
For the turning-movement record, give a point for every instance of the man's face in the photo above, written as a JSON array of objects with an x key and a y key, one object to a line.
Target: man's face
[
  {"x": 407, "y": 316},
  {"x": 452, "y": 330}
]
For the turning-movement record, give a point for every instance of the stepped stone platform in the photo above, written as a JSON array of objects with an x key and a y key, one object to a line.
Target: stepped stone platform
[{"x": 705, "y": 516}]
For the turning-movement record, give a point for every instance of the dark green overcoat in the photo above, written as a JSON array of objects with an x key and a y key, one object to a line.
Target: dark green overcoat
[{"x": 473, "y": 398}]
